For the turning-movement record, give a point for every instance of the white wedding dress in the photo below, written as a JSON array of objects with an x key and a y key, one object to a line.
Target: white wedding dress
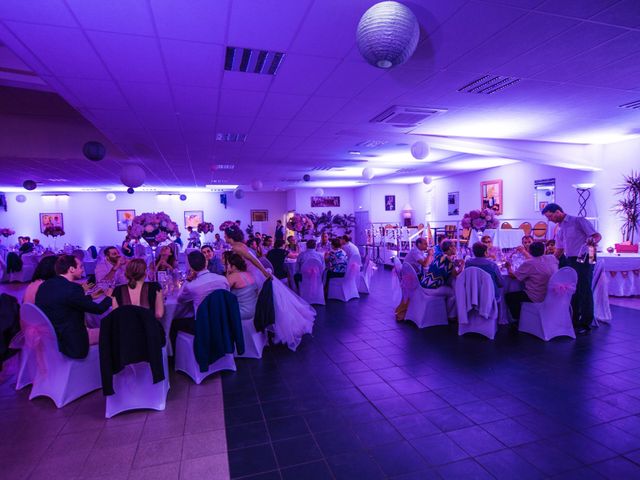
[{"x": 294, "y": 316}]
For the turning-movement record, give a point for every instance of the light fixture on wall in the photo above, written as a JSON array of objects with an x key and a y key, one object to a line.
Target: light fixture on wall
[
  {"x": 53, "y": 195},
  {"x": 584, "y": 192}
]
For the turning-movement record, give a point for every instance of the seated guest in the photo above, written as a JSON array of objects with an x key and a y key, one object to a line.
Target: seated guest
[
  {"x": 194, "y": 238},
  {"x": 494, "y": 253},
  {"x": 110, "y": 270},
  {"x": 252, "y": 244},
  {"x": 336, "y": 260},
  {"x": 38, "y": 249},
  {"x": 325, "y": 244},
  {"x": 218, "y": 243},
  {"x": 44, "y": 271},
  {"x": 310, "y": 252},
  {"x": 527, "y": 240},
  {"x": 292, "y": 245},
  {"x": 138, "y": 292},
  {"x": 439, "y": 275},
  {"x": 178, "y": 241},
  {"x": 267, "y": 244},
  {"x": 64, "y": 302},
  {"x": 19, "y": 244},
  {"x": 166, "y": 261},
  {"x": 127, "y": 247},
  {"x": 483, "y": 262},
  {"x": 535, "y": 274},
  {"x": 26, "y": 247},
  {"x": 348, "y": 246},
  {"x": 242, "y": 284},
  {"x": 276, "y": 257},
  {"x": 419, "y": 256},
  {"x": 550, "y": 247},
  {"x": 214, "y": 265}
]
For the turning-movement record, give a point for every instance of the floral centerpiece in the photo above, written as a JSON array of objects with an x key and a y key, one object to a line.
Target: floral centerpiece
[
  {"x": 53, "y": 231},
  {"x": 227, "y": 224},
  {"x": 300, "y": 223},
  {"x": 205, "y": 227},
  {"x": 6, "y": 232},
  {"x": 480, "y": 219},
  {"x": 155, "y": 228}
]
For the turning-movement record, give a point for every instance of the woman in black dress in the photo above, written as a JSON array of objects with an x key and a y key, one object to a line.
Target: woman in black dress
[{"x": 137, "y": 291}]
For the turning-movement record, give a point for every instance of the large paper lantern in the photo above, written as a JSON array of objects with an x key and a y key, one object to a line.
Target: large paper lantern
[
  {"x": 21, "y": 198},
  {"x": 29, "y": 185},
  {"x": 420, "y": 150},
  {"x": 132, "y": 175},
  {"x": 94, "y": 151},
  {"x": 368, "y": 173},
  {"x": 238, "y": 193},
  {"x": 427, "y": 180},
  {"x": 388, "y": 34},
  {"x": 256, "y": 185},
  {"x": 111, "y": 197}
]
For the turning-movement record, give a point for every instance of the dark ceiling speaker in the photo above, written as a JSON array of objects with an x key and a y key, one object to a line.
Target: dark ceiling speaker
[
  {"x": 183, "y": 197},
  {"x": 29, "y": 185},
  {"x": 130, "y": 190},
  {"x": 306, "y": 177},
  {"x": 94, "y": 151}
]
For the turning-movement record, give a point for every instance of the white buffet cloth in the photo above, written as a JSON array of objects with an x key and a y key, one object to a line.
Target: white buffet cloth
[
  {"x": 623, "y": 273},
  {"x": 502, "y": 237}
]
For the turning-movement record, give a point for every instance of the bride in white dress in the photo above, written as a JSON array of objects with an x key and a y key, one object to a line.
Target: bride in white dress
[{"x": 294, "y": 317}]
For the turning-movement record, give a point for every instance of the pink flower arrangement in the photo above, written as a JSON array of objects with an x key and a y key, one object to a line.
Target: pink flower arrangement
[
  {"x": 153, "y": 227},
  {"x": 227, "y": 224},
  {"x": 53, "y": 231},
  {"x": 205, "y": 227},
  {"x": 6, "y": 232},
  {"x": 480, "y": 219},
  {"x": 300, "y": 223}
]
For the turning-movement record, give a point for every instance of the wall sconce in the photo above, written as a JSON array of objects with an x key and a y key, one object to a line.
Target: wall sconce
[{"x": 584, "y": 192}]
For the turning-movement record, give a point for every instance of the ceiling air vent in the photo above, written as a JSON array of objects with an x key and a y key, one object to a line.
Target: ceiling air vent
[
  {"x": 223, "y": 166},
  {"x": 406, "y": 116},
  {"x": 489, "y": 84},
  {"x": 248, "y": 60},
  {"x": 631, "y": 105},
  {"x": 231, "y": 137}
]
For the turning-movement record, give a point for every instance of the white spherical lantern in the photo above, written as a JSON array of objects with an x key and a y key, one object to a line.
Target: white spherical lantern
[
  {"x": 420, "y": 150},
  {"x": 427, "y": 180},
  {"x": 368, "y": 173},
  {"x": 132, "y": 175},
  {"x": 238, "y": 193},
  {"x": 111, "y": 197},
  {"x": 21, "y": 198},
  {"x": 318, "y": 192},
  {"x": 388, "y": 34},
  {"x": 256, "y": 185}
]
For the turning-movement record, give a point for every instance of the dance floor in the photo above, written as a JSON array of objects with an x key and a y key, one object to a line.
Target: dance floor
[{"x": 364, "y": 398}]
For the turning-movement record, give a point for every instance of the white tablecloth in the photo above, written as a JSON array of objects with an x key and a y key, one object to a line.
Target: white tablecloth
[
  {"x": 502, "y": 238},
  {"x": 623, "y": 273}
]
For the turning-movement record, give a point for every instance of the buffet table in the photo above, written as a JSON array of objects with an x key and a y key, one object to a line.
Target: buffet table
[{"x": 623, "y": 273}]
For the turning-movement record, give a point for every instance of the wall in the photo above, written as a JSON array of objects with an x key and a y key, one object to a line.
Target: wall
[
  {"x": 300, "y": 200},
  {"x": 371, "y": 199},
  {"x": 89, "y": 219}
]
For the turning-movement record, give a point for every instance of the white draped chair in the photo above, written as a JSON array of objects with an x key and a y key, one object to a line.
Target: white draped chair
[
  {"x": 254, "y": 341},
  {"x": 600, "y": 284},
  {"x": 364, "y": 280},
  {"x": 476, "y": 303},
  {"x": 56, "y": 376},
  {"x": 552, "y": 317},
  {"x": 346, "y": 288},
  {"x": 311, "y": 288},
  {"x": 134, "y": 389},
  {"x": 186, "y": 360},
  {"x": 424, "y": 310},
  {"x": 396, "y": 278}
]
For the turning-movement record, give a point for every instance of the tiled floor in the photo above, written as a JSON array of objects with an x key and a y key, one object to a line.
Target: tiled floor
[{"x": 366, "y": 398}]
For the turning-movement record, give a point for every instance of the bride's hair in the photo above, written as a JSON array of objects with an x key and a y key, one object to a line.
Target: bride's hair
[{"x": 234, "y": 233}]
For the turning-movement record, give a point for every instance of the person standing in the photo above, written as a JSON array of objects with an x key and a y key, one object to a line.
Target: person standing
[
  {"x": 279, "y": 230},
  {"x": 572, "y": 236}
]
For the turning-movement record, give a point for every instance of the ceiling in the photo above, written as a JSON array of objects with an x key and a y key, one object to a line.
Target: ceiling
[{"x": 149, "y": 76}]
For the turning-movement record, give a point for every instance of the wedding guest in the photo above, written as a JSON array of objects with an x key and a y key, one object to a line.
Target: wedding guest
[
  {"x": 535, "y": 274},
  {"x": 267, "y": 244},
  {"x": 483, "y": 262},
  {"x": 527, "y": 240},
  {"x": 420, "y": 255},
  {"x": 110, "y": 270},
  {"x": 325, "y": 244},
  {"x": 292, "y": 245},
  {"x": 238, "y": 224},
  {"x": 279, "y": 235},
  {"x": 494, "y": 253},
  {"x": 19, "y": 244},
  {"x": 336, "y": 260},
  {"x": 349, "y": 247},
  {"x": 126, "y": 247},
  {"x": 214, "y": 265},
  {"x": 38, "y": 249},
  {"x": 138, "y": 292},
  {"x": 252, "y": 244},
  {"x": 277, "y": 256},
  {"x": 166, "y": 261},
  {"x": 218, "y": 243},
  {"x": 439, "y": 275},
  {"x": 550, "y": 247},
  {"x": 44, "y": 271},
  {"x": 178, "y": 241},
  {"x": 26, "y": 247},
  {"x": 243, "y": 285},
  {"x": 309, "y": 253},
  {"x": 65, "y": 303},
  {"x": 194, "y": 238},
  {"x": 574, "y": 233}
]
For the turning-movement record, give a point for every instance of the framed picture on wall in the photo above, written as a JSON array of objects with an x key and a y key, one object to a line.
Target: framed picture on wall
[
  {"x": 259, "y": 216},
  {"x": 325, "y": 201},
  {"x": 491, "y": 195},
  {"x": 453, "y": 203},
  {"x": 51, "y": 220},
  {"x": 124, "y": 219},
  {"x": 192, "y": 218},
  {"x": 389, "y": 203}
]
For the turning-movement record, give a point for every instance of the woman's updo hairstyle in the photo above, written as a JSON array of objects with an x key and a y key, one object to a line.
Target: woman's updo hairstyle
[{"x": 234, "y": 233}]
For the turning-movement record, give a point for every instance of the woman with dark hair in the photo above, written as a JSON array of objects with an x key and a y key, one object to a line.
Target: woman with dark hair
[
  {"x": 138, "y": 292},
  {"x": 294, "y": 317},
  {"x": 166, "y": 260},
  {"x": 127, "y": 248},
  {"x": 243, "y": 285},
  {"x": 44, "y": 271}
]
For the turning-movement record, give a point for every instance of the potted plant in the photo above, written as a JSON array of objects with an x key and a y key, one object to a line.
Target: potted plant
[{"x": 628, "y": 207}]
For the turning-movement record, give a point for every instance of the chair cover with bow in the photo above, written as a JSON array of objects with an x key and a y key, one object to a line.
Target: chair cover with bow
[
  {"x": 602, "y": 312},
  {"x": 396, "y": 288},
  {"x": 56, "y": 376},
  {"x": 311, "y": 288},
  {"x": 552, "y": 317},
  {"x": 476, "y": 303},
  {"x": 364, "y": 279},
  {"x": 424, "y": 310},
  {"x": 346, "y": 288}
]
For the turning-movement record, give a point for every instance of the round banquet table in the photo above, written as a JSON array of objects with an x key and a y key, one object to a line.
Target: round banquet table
[
  {"x": 502, "y": 237},
  {"x": 623, "y": 273}
]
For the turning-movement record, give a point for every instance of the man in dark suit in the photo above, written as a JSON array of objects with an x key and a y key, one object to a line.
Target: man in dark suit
[
  {"x": 279, "y": 231},
  {"x": 64, "y": 302}
]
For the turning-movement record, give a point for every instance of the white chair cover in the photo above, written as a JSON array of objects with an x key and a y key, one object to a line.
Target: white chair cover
[
  {"x": 186, "y": 360},
  {"x": 602, "y": 312},
  {"x": 364, "y": 280},
  {"x": 311, "y": 288},
  {"x": 134, "y": 389},
  {"x": 26, "y": 356},
  {"x": 56, "y": 376},
  {"x": 396, "y": 289},
  {"x": 29, "y": 264},
  {"x": 552, "y": 318},
  {"x": 254, "y": 341},
  {"x": 424, "y": 310},
  {"x": 346, "y": 288},
  {"x": 476, "y": 303}
]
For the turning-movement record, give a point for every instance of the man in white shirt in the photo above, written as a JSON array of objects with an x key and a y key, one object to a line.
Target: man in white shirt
[
  {"x": 110, "y": 270},
  {"x": 419, "y": 256},
  {"x": 349, "y": 248},
  {"x": 574, "y": 233}
]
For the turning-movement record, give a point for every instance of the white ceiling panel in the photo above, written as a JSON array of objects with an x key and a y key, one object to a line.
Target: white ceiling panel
[
  {"x": 246, "y": 81},
  {"x": 195, "y": 100},
  {"x": 96, "y": 93},
  {"x": 302, "y": 75},
  {"x": 151, "y": 97},
  {"x": 321, "y": 108},
  {"x": 193, "y": 64},
  {"x": 625, "y": 13},
  {"x": 280, "y": 105},
  {"x": 576, "y": 8},
  {"x": 131, "y": 16},
  {"x": 197, "y": 20},
  {"x": 240, "y": 103},
  {"x": 349, "y": 79},
  {"x": 50, "y": 12}
]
